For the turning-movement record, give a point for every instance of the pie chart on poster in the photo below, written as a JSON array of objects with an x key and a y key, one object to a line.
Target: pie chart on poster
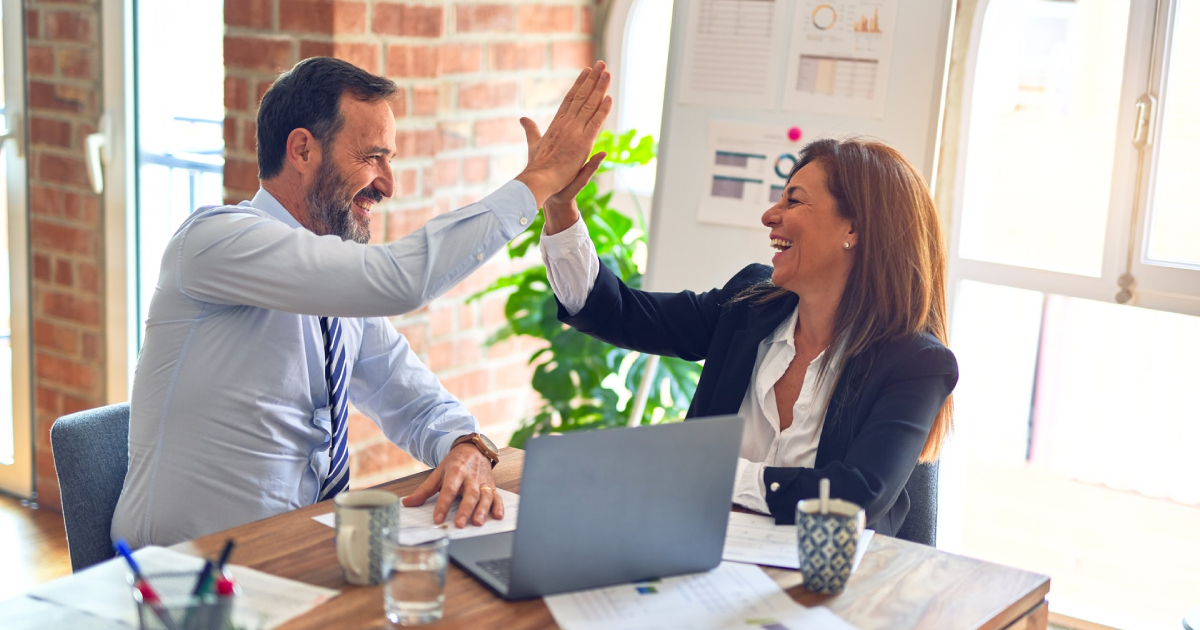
[{"x": 824, "y": 17}]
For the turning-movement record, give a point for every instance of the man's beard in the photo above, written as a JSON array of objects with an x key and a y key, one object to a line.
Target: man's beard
[{"x": 330, "y": 213}]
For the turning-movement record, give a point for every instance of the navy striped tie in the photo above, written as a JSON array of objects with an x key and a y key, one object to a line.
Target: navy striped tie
[{"x": 335, "y": 378}]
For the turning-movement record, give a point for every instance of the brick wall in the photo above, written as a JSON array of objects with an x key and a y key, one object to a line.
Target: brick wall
[
  {"x": 467, "y": 72},
  {"x": 62, "y": 53}
]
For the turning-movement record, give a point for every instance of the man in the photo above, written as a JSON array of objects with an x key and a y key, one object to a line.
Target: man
[{"x": 269, "y": 317}]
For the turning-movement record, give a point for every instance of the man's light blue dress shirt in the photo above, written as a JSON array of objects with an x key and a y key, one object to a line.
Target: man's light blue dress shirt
[{"x": 229, "y": 418}]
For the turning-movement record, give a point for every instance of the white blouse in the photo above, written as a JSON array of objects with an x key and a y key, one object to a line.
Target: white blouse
[{"x": 572, "y": 268}]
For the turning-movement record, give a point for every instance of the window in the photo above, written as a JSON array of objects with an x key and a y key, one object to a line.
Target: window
[
  {"x": 638, "y": 40},
  {"x": 1075, "y": 278}
]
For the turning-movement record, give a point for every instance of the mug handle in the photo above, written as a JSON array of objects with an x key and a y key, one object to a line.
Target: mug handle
[{"x": 345, "y": 545}]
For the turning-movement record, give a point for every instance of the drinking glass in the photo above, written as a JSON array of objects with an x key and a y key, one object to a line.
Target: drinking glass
[{"x": 415, "y": 574}]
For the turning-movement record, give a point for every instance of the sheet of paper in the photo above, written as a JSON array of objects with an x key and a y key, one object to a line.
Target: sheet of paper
[
  {"x": 756, "y": 539},
  {"x": 746, "y": 171},
  {"x": 103, "y": 590},
  {"x": 840, "y": 56},
  {"x": 27, "y": 613},
  {"x": 732, "y": 596},
  {"x": 727, "y": 54},
  {"x": 423, "y": 516}
]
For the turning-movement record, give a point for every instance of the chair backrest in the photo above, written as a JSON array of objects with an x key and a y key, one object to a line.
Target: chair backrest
[
  {"x": 91, "y": 455},
  {"x": 920, "y": 526}
]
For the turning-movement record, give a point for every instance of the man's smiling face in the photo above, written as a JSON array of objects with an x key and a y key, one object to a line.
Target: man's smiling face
[{"x": 354, "y": 173}]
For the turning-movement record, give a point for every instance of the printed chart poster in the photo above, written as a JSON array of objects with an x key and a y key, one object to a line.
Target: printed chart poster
[
  {"x": 727, "y": 57},
  {"x": 746, "y": 171},
  {"x": 840, "y": 56}
]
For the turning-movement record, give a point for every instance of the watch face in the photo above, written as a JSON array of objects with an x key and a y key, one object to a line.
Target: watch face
[{"x": 491, "y": 445}]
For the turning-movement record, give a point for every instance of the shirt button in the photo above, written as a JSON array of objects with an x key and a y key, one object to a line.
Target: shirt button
[
  {"x": 775, "y": 486},
  {"x": 478, "y": 256},
  {"x": 524, "y": 221}
]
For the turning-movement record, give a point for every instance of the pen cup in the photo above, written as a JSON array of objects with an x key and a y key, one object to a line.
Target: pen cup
[
  {"x": 173, "y": 607},
  {"x": 827, "y": 543}
]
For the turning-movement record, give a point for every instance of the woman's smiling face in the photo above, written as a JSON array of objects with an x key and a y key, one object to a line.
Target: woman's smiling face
[{"x": 809, "y": 234}]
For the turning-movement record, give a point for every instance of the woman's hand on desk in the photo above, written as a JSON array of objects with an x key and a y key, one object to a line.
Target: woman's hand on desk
[{"x": 467, "y": 472}]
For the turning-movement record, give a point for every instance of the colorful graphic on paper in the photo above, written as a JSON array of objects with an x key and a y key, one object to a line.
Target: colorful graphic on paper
[{"x": 747, "y": 171}]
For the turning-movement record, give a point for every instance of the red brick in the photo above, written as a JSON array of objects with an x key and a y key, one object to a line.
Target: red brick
[
  {"x": 73, "y": 404},
  {"x": 62, "y": 169},
  {"x": 441, "y": 320},
  {"x": 230, "y": 132},
  {"x": 446, "y": 172},
  {"x": 467, "y": 385},
  {"x": 61, "y": 98},
  {"x": 466, "y": 316},
  {"x": 459, "y": 58},
  {"x": 475, "y": 169},
  {"x": 416, "y": 143},
  {"x": 425, "y": 100},
  {"x": 248, "y": 13},
  {"x": 407, "y": 20},
  {"x": 498, "y": 131},
  {"x": 70, "y": 26},
  {"x": 89, "y": 277},
  {"x": 455, "y": 353},
  {"x": 259, "y": 91},
  {"x": 31, "y": 25},
  {"x": 570, "y": 55},
  {"x": 250, "y": 137},
  {"x": 91, "y": 347},
  {"x": 484, "y": 18},
  {"x": 61, "y": 238},
  {"x": 416, "y": 334},
  {"x": 51, "y": 337},
  {"x": 406, "y": 183},
  {"x": 587, "y": 20},
  {"x": 323, "y": 16},
  {"x": 378, "y": 459},
  {"x": 50, "y": 132},
  {"x": 453, "y": 135},
  {"x": 83, "y": 209},
  {"x": 76, "y": 63},
  {"x": 517, "y": 56},
  {"x": 258, "y": 53},
  {"x": 515, "y": 374},
  {"x": 41, "y": 267},
  {"x": 401, "y": 223},
  {"x": 53, "y": 370},
  {"x": 541, "y": 18},
  {"x": 40, "y": 60},
  {"x": 70, "y": 307},
  {"x": 63, "y": 274},
  {"x": 241, "y": 175},
  {"x": 487, "y": 95},
  {"x": 411, "y": 62},
  {"x": 365, "y": 56},
  {"x": 237, "y": 92},
  {"x": 47, "y": 401}
]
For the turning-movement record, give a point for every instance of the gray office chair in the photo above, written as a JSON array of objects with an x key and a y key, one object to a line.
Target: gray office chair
[
  {"x": 920, "y": 526},
  {"x": 91, "y": 455}
]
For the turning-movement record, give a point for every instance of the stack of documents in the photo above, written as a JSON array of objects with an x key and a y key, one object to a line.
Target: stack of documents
[
  {"x": 756, "y": 539},
  {"x": 103, "y": 591},
  {"x": 731, "y": 597}
]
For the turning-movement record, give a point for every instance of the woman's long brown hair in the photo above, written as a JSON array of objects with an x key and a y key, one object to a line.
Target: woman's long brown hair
[{"x": 897, "y": 285}]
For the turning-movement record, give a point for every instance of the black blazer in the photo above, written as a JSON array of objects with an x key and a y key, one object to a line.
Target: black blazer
[{"x": 879, "y": 414}]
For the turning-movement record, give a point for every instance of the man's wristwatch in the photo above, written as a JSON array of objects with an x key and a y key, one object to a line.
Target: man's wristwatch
[{"x": 482, "y": 443}]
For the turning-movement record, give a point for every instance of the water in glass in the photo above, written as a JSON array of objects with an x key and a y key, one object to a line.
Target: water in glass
[{"x": 415, "y": 588}]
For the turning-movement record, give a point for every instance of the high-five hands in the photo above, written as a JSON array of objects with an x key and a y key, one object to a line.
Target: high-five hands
[{"x": 560, "y": 156}]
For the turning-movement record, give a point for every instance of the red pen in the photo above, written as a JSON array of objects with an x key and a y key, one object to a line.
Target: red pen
[{"x": 225, "y": 592}]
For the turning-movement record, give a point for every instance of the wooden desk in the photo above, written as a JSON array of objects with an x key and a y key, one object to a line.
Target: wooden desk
[{"x": 899, "y": 585}]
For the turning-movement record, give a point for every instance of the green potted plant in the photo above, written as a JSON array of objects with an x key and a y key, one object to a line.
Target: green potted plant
[{"x": 585, "y": 383}]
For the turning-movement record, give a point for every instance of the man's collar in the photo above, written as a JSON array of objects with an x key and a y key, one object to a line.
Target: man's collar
[{"x": 266, "y": 202}]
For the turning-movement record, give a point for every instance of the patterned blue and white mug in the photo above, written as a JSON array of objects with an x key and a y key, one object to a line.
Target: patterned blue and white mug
[
  {"x": 827, "y": 543},
  {"x": 361, "y": 518}
]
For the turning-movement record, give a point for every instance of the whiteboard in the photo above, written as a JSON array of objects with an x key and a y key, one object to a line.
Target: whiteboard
[{"x": 687, "y": 253}]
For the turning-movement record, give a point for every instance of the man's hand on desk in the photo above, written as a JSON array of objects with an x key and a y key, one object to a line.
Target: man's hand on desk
[{"x": 467, "y": 472}]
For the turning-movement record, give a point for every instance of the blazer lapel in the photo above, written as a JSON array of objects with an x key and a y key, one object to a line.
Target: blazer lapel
[{"x": 738, "y": 367}]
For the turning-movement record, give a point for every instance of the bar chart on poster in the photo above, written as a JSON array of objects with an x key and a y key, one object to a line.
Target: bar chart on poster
[{"x": 749, "y": 82}]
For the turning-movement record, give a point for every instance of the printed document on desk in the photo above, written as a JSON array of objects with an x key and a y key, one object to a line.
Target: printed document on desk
[
  {"x": 756, "y": 539},
  {"x": 103, "y": 590},
  {"x": 423, "y": 516},
  {"x": 731, "y": 597}
]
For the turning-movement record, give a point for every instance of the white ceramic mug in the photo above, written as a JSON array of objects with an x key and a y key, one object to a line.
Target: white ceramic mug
[{"x": 361, "y": 518}]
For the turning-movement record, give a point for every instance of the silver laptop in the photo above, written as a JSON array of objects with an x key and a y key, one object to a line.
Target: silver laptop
[{"x": 613, "y": 506}]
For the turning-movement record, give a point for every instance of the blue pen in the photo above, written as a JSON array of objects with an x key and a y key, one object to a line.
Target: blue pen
[{"x": 149, "y": 597}]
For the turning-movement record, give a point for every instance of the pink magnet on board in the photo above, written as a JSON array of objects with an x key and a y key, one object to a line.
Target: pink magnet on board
[{"x": 794, "y": 134}]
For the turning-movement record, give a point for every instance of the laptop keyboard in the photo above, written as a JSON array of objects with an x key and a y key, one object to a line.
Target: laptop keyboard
[{"x": 500, "y": 568}]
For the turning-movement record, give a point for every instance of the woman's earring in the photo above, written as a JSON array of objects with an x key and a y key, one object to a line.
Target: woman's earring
[{"x": 845, "y": 245}]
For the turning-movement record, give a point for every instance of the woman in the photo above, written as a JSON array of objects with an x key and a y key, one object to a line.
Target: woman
[{"x": 835, "y": 355}]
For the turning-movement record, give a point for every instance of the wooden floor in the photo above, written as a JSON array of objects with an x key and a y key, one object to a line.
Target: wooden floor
[{"x": 33, "y": 547}]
